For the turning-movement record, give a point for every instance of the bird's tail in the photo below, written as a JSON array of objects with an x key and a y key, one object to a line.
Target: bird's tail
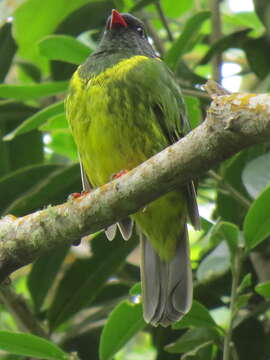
[{"x": 166, "y": 286}]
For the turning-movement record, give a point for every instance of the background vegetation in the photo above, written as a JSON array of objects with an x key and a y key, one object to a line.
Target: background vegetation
[{"x": 87, "y": 299}]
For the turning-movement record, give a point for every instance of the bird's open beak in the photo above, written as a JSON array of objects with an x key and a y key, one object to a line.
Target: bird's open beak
[{"x": 117, "y": 20}]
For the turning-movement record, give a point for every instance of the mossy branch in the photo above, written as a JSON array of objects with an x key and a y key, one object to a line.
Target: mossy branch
[{"x": 233, "y": 122}]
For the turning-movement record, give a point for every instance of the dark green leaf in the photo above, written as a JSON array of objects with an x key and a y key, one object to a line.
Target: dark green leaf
[
  {"x": 262, "y": 8},
  {"x": 198, "y": 316},
  {"x": 37, "y": 120},
  {"x": 32, "y": 91},
  {"x": 21, "y": 182},
  {"x": 64, "y": 48},
  {"x": 30, "y": 345},
  {"x": 110, "y": 292},
  {"x": 14, "y": 111},
  {"x": 256, "y": 175},
  {"x": 31, "y": 70},
  {"x": 192, "y": 339},
  {"x": 123, "y": 323},
  {"x": 86, "y": 277},
  {"x": 93, "y": 15},
  {"x": 52, "y": 189},
  {"x": 38, "y": 281},
  {"x": 245, "y": 283},
  {"x": 8, "y": 48},
  {"x": 186, "y": 39},
  {"x": 263, "y": 289},
  {"x": 257, "y": 220}
]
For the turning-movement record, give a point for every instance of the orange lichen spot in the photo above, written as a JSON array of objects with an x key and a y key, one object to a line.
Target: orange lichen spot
[{"x": 77, "y": 195}]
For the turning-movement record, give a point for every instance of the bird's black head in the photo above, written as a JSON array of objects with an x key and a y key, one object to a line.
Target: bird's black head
[{"x": 125, "y": 33}]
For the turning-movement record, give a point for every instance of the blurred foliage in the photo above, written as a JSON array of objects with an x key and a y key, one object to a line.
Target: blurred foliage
[{"x": 88, "y": 300}]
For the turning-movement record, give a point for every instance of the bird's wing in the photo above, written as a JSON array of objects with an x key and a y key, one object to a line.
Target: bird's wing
[{"x": 173, "y": 124}]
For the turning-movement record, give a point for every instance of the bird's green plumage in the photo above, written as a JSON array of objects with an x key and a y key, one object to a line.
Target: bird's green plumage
[
  {"x": 124, "y": 106},
  {"x": 113, "y": 116}
]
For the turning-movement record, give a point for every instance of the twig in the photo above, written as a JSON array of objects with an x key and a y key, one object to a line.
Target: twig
[
  {"x": 164, "y": 21},
  {"x": 233, "y": 192},
  {"x": 215, "y": 36},
  {"x": 236, "y": 268}
]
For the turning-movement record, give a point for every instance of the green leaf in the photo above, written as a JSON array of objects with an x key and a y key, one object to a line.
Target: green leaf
[
  {"x": 257, "y": 220},
  {"x": 245, "y": 283},
  {"x": 36, "y": 120},
  {"x": 30, "y": 345},
  {"x": 256, "y": 175},
  {"x": 63, "y": 143},
  {"x": 72, "y": 295},
  {"x": 123, "y": 323},
  {"x": 91, "y": 16},
  {"x": 136, "y": 289},
  {"x": 141, "y": 4},
  {"x": 32, "y": 91},
  {"x": 64, "y": 48},
  {"x": 193, "y": 111},
  {"x": 34, "y": 19},
  {"x": 231, "y": 234},
  {"x": 192, "y": 339},
  {"x": 263, "y": 289},
  {"x": 39, "y": 282},
  {"x": 215, "y": 264},
  {"x": 198, "y": 316},
  {"x": 8, "y": 49},
  {"x": 20, "y": 182},
  {"x": 51, "y": 189},
  {"x": 55, "y": 122},
  {"x": 14, "y": 111},
  {"x": 186, "y": 40}
]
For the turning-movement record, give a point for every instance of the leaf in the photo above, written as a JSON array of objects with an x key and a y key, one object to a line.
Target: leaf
[
  {"x": 215, "y": 264},
  {"x": 30, "y": 345},
  {"x": 123, "y": 323},
  {"x": 63, "y": 143},
  {"x": 8, "y": 49},
  {"x": 44, "y": 17},
  {"x": 186, "y": 39},
  {"x": 12, "y": 110},
  {"x": 55, "y": 122},
  {"x": 20, "y": 182},
  {"x": 231, "y": 234},
  {"x": 141, "y": 4},
  {"x": 39, "y": 282},
  {"x": 257, "y": 220},
  {"x": 32, "y": 91},
  {"x": 36, "y": 120},
  {"x": 72, "y": 295},
  {"x": 64, "y": 48},
  {"x": 193, "y": 111},
  {"x": 263, "y": 289},
  {"x": 192, "y": 339},
  {"x": 245, "y": 283},
  {"x": 92, "y": 15},
  {"x": 51, "y": 189},
  {"x": 136, "y": 289},
  {"x": 198, "y": 316},
  {"x": 256, "y": 175}
]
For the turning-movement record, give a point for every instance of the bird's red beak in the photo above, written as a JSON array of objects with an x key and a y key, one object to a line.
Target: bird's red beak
[{"x": 117, "y": 20}]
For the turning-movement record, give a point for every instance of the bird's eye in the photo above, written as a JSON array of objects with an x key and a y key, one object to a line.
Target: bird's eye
[{"x": 140, "y": 31}]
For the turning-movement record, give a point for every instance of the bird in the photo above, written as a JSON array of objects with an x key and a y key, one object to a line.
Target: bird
[{"x": 123, "y": 106}]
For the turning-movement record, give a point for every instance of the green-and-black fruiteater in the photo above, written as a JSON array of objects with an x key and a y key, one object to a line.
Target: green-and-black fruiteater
[{"x": 124, "y": 106}]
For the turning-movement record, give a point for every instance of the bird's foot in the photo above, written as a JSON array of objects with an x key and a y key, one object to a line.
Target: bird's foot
[
  {"x": 119, "y": 174},
  {"x": 77, "y": 195}
]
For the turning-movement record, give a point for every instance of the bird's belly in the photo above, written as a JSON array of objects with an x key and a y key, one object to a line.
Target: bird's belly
[{"x": 119, "y": 136}]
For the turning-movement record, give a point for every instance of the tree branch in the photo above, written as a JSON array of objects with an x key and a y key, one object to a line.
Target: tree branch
[{"x": 234, "y": 122}]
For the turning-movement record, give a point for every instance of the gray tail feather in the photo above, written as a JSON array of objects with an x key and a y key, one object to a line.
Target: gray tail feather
[
  {"x": 166, "y": 286},
  {"x": 125, "y": 226}
]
